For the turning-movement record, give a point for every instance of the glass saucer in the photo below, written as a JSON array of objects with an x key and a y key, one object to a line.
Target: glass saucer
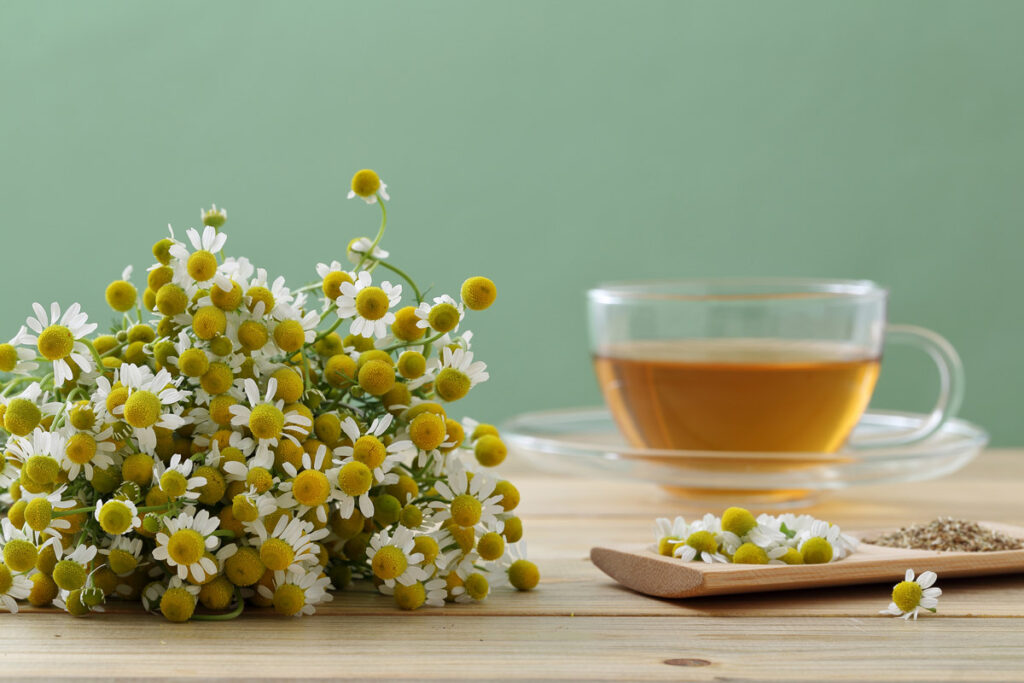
[{"x": 586, "y": 442}]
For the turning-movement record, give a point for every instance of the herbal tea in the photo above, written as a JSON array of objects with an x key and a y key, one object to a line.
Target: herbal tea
[{"x": 737, "y": 394}]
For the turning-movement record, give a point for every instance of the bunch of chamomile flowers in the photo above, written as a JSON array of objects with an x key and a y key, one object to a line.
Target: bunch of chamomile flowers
[
  {"x": 233, "y": 441},
  {"x": 739, "y": 537}
]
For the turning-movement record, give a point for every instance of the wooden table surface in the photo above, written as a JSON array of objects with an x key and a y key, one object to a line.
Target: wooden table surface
[{"x": 578, "y": 624}]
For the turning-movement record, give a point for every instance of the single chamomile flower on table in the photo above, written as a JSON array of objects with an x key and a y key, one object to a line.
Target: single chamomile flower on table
[
  {"x": 368, "y": 306},
  {"x": 911, "y": 595},
  {"x": 151, "y": 402},
  {"x": 201, "y": 264},
  {"x": 58, "y": 339},
  {"x": 184, "y": 542},
  {"x": 266, "y": 418},
  {"x": 297, "y": 593},
  {"x": 16, "y": 359},
  {"x": 309, "y": 488},
  {"x": 444, "y": 316},
  {"x": 175, "y": 479},
  {"x": 392, "y": 557},
  {"x": 291, "y": 545}
]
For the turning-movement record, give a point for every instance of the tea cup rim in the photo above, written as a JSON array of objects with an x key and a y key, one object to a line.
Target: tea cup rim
[{"x": 719, "y": 288}]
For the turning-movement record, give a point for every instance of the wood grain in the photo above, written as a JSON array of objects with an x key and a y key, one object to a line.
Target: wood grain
[{"x": 579, "y": 624}]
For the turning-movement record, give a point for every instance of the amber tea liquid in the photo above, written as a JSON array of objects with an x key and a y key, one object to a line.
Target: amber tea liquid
[{"x": 737, "y": 394}]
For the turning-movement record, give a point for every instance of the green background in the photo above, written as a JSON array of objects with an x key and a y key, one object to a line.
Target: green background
[{"x": 550, "y": 145}]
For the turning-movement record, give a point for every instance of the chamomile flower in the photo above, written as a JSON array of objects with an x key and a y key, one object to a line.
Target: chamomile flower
[
  {"x": 184, "y": 542},
  {"x": 213, "y": 216},
  {"x": 297, "y": 593},
  {"x": 151, "y": 402},
  {"x": 123, "y": 554},
  {"x": 16, "y": 359},
  {"x": 175, "y": 479},
  {"x": 270, "y": 299},
  {"x": 20, "y": 547},
  {"x": 13, "y": 587},
  {"x": 444, "y": 316},
  {"x": 368, "y": 447},
  {"x": 911, "y": 595},
  {"x": 467, "y": 502},
  {"x": 117, "y": 516},
  {"x": 291, "y": 545},
  {"x": 669, "y": 533},
  {"x": 58, "y": 339},
  {"x": 251, "y": 505},
  {"x": 310, "y": 488},
  {"x": 176, "y": 601},
  {"x": 39, "y": 455},
  {"x": 266, "y": 418},
  {"x": 458, "y": 374},
  {"x": 39, "y": 513},
  {"x": 72, "y": 572},
  {"x": 368, "y": 306},
  {"x": 699, "y": 544},
  {"x": 393, "y": 559},
  {"x": 201, "y": 264},
  {"x": 86, "y": 450},
  {"x": 366, "y": 184}
]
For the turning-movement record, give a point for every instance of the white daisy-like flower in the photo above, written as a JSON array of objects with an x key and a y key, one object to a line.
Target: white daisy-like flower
[
  {"x": 283, "y": 303},
  {"x": 82, "y": 555},
  {"x": 175, "y": 479},
  {"x": 392, "y": 558},
  {"x": 910, "y": 596},
  {"x": 86, "y": 450},
  {"x": 39, "y": 442},
  {"x": 669, "y": 531},
  {"x": 381, "y": 302},
  {"x": 152, "y": 593},
  {"x": 309, "y": 488},
  {"x": 292, "y": 542},
  {"x": 468, "y": 503},
  {"x": 214, "y": 212},
  {"x": 296, "y": 593},
  {"x": 57, "y": 525},
  {"x": 150, "y": 403},
  {"x": 58, "y": 338},
  {"x": 831, "y": 533},
  {"x": 206, "y": 245},
  {"x": 325, "y": 269},
  {"x": 119, "y": 513},
  {"x": 250, "y": 505},
  {"x": 123, "y": 553},
  {"x": 357, "y": 249},
  {"x": 184, "y": 544},
  {"x": 309, "y": 323},
  {"x": 461, "y": 361},
  {"x": 16, "y": 359},
  {"x": 267, "y": 420},
  {"x": 423, "y": 312}
]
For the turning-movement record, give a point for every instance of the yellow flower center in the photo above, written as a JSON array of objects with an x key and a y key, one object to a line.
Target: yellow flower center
[
  {"x": 193, "y": 363},
  {"x": 366, "y": 183},
  {"x": 490, "y": 451},
  {"x": 245, "y": 567},
  {"x": 20, "y": 555},
  {"x": 259, "y": 294},
  {"x": 311, "y": 488},
  {"x": 702, "y": 541},
  {"x": 115, "y": 517},
  {"x": 289, "y": 335},
  {"x": 121, "y": 562},
  {"x": 142, "y": 409},
  {"x": 138, "y": 467},
  {"x": 289, "y": 599},
  {"x": 333, "y": 281},
  {"x": 738, "y": 520},
  {"x": 8, "y": 357},
  {"x": 427, "y": 431},
  {"x": 370, "y": 451},
  {"x": 355, "y": 478},
  {"x": 21, "y": 416},
  {"x": 202, "y": 265},
  {"x": 477, "y": 586},
  {"x": 41, "y": 469},
  {"x": 443, "y": 317},
  {"x": 244, "y": 509},
  {"x": 428, "y": 547},
  {"x": 171, "y": 300},
  {"x": 907, "y": 595},
  {"x": 38, "y": 514},
  {"x": 260, "y": 479},
  {"x": 452, "y": 384},
  {"x": 209, "y": 321},
  {"x": 372, "y": 303},
  {"x": 816, "y": 551},
  {"x": 173, "y": 483},
  {"x": 377, "y": 377},
  {"x": 69, "y": 575},
  {"x": 226, "y": 301},
  {"x": 466, "y": 510},
  {"x": 217, "y": 379},
  {"x": 266, "y": 421},
  {"x": 491, "y": 546},
  {"x": 55, "y": 342},
  {"x": 121, "y": 295},
  {"x": 340, "y": 370},
  {"x": 186, "y": 546},
  {"x": 389, "y": 563},
  {"x": 276, "y": 554},
  {"x": 748, "y": 553},
  {"x": 252, "y": 335},
  {"x": 289, "y": 385},
  {"x": 177, "y": 604},
  {"x": 478, "y": 293},
  {"x": 80, "y": 449},
  {"x": 523, "y": 575},
  {"x": 410, "y": 597}
]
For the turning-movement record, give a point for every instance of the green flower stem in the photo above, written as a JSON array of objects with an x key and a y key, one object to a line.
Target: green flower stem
[
  {"x": 400, "y": 273},
  {"x": 11, "y": 384},
  {"x": 425, "y": 342},
  {"x": 95, "y": 354},
  {"x": 92, "y": 508},
  {"x": 226, "y": 533},
  {"x": 227, "y": 616},
  {"x": 330, "y": 329},
  {"x": 380, "y": 234}
]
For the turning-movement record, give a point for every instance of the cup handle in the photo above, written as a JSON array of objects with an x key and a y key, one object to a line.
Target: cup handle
[{"x": 951, "y": 384}]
